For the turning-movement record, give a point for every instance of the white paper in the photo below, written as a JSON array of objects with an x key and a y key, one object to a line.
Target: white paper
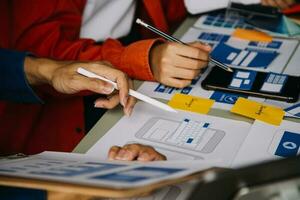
[
  {"x": 218, "y": 142},
  {"x": 264, "y": 140},
  {"x": 293, "y": 67}
]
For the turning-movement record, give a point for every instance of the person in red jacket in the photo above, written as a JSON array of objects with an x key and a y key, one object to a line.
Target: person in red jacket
[
  {"x": 51, "y": 28},
  {"x": 19, "y": 72}
]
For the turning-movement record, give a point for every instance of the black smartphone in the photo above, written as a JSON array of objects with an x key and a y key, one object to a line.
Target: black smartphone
[{"x": 269, "y": 85}]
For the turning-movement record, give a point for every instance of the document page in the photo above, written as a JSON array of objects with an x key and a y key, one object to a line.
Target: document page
[
  {"x": 266, "y": 142},
  {"x": 181, "y": 136}
]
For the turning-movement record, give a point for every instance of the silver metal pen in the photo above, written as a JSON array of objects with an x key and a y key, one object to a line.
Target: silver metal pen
[{"x": 173, "y": 39}]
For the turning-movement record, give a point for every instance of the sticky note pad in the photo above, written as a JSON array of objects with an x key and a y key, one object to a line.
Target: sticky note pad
[
  {"x": 266, "y": 113},
  {"x": 252, "y": 35},
  {"x": 191, "y": 103}
]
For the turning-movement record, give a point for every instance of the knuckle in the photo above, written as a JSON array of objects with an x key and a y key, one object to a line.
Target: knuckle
[
  {"x": 169, "y": 46},
  {"x": 135, "y": 146}
]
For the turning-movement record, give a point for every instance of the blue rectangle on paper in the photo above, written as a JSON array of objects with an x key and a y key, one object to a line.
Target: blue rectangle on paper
[
  {"x": 186, "y": 120},
  {"x": 126, "y": 176},
  {"x": 75, "y": 170},
  {"x": 288, "y": 145},
  {"x": 271, "y": 45},
  {"x": 164, "y": 89},
  {"x": 228, "y": 98},
  {"x": 190, "y": 140},
  {"x": 186, "y": 90},
  {"x": 263, "y": 59},
  {"x": 291, "y": 108},
  {"x": 274, "y": 45},
  {"x": 215, "y": 37},
  {"x": 245, "y": 83},
  {"x": 206, "y": 125},
  {"x": 244, "y": 57}
]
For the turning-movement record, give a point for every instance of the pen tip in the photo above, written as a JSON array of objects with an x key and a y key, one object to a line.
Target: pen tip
[{"x": 138, "y": 21}]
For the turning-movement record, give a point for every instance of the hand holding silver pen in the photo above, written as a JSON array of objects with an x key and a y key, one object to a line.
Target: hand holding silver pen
[{"x": 173, "y": 39}]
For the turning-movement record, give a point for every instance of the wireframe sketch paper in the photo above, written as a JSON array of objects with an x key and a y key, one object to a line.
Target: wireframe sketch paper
[
  {"x": 223, "y": 100},
  {"x": 266, "y": 142},
  {"x": 88, "y": 170},
  {"x": 245, "y": 54},
  {"x": 279, "y": 51},
  {"x": 182, "y": 136}
]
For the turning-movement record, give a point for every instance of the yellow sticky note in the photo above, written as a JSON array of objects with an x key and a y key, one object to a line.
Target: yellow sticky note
[
  {"x": 191, "y": 103},
  {"x": 252, "y": 35},
  {"x": 266, "y": 113}
]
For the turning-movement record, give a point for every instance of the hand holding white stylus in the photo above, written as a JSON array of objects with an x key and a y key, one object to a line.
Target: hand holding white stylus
[{"x": 133, "y": 93}]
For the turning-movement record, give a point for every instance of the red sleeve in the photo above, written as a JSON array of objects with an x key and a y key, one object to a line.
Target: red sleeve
[{"x": 50, "y": 28}]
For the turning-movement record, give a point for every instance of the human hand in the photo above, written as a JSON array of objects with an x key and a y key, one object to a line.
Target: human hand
[
  {"x": 130, "y": 152},
  {"x": 281, "y": 4},
  {"x": 63, "y": 76},
  {"x": 177, "y": 65}
]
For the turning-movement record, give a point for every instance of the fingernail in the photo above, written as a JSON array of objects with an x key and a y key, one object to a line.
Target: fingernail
[
  {"x": 124, "y": 101},
  {"x": 98, "y": 105},
  {"x": 208, "y": 47},
  {"x": 126, "y": 112},
  {"x": 122, "y": 155},
  {"x": 130, "y": 109},
  {"x": 108, "y": 90}
]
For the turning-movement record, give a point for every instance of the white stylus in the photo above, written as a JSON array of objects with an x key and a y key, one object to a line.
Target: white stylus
[{"x": 133, "y": 93}]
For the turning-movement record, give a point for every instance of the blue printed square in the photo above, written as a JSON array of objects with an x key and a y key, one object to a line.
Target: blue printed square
[
  {"x": 243, "y": 80},
  {"x": 228, "y": 98},
  {"x": 288, "y": 145}
]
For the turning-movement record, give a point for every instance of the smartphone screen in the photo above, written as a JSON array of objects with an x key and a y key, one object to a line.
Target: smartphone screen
[{"x": 270, "y": 85}]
